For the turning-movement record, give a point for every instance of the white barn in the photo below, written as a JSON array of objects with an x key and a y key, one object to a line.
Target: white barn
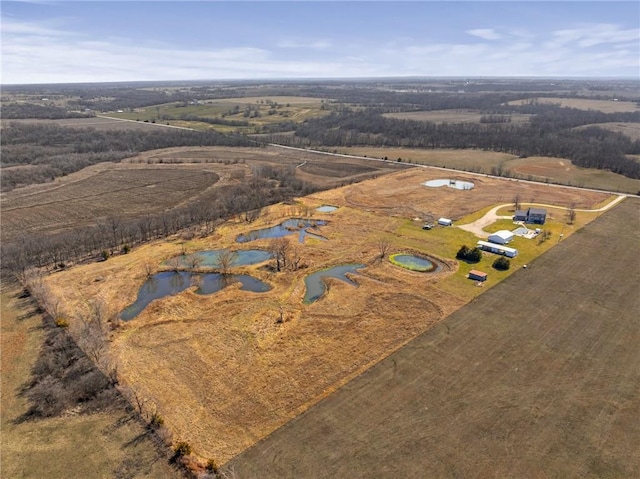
[
  {"x": 501, "y": 237},
  {"x": 445, "y": 222}
]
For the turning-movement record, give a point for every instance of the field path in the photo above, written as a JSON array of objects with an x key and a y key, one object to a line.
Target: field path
[{"x": 477, "y": 227}]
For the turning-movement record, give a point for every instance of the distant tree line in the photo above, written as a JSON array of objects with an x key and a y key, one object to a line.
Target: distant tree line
[
  {"x": 550, "y": 134},
  {"x": 19, "y": 111},
  {"x": 112, "y": 235},
  {"x": 54, "y": 151}
]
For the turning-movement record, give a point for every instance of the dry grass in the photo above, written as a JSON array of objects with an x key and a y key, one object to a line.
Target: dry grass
[
  {"x": 103, "y": 445},
  {"x": 225, "y": 373},
  {"x": 605, "y": 106},
  {"x": 97, "y": 123},
  {"x": 158, "y": 180},
  {"x": 554, "y": 170},
  {"x": 631, "y": 130},
  {"x": 538, "y": 377},
  {"x": 451, "y": 116}
]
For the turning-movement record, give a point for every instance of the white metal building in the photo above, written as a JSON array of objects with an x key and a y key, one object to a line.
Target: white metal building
[
  {"x": 445, "y": 222},
  {"x": 501, "y": 237},
  {"x": 497, "y": 249}
]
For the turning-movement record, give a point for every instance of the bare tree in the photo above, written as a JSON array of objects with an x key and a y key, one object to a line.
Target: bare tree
[
  {"x": 279, "y": 248},
  {"x": 383, "y": 248},
  {"x": 571, "y": 214},
  {"x": 516, "y": 202},
  {"x": 226, "y": 259}
]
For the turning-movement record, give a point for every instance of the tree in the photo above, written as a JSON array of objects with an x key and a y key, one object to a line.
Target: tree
[
  {"x": 516, "y": 202},
  {"x": 472, "y": 255},
  {"x": 279, "y": 248},
  {"x": 502, "y": 263},
  {"x": 571, "y": 214},
  {"x": 383, "y": 248},
  {"x": 226, "y": 259}
]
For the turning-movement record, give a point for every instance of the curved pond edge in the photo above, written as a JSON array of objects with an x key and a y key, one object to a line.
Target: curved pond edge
[
  {"x": 434, "y": 267},
  {"x": 315, "y": 286}
]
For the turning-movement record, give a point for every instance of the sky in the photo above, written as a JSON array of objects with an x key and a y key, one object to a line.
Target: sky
[{"x": 46, "y": 41}]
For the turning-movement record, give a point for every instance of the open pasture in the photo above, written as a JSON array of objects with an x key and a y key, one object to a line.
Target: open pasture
[
  {"x": 97, "y": 123},
  {"x": 546, "y": 169},
  {"x": 452, "y": 116},
  {"x": 631, "y": 130},
  {"x": 227, "y": 369},
  {"x": 538, "y": 377},
  {"x": 158, "y": 180},
  {"x": 605, "y": 106}
]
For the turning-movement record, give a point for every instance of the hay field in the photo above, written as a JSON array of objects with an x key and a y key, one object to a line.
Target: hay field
[
  {"x": 101, "y": 445},
  {"x": 538, "y": 377},
  {"x": 605, "y": 106},
  {"x": 452, "y": 116},
  {"x": 224, "y": 372},
  {"x": 158, "y": 180},
  {"x": 554, "y": 170}
]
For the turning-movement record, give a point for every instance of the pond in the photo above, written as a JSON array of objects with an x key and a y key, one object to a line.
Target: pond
[
  {"x": 210, "y": 258},
  {"x": 169, "y": 283},
  {"x": 288, "y": 227},
  {"x": 326, "y": 209},
  {"x": 457, "y": 184},
  {"x": 413, "y": 262},
  {"x": 315, "y": 285}
]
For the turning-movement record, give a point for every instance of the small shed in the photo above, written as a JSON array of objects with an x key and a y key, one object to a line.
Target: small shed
[
  {"x": 477, "y": 275},
  {"x": 445, "y": 222},
  {"x": 501, "y": 237}
]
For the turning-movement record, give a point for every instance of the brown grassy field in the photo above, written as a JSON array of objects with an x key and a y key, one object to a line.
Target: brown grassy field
[
  {"x": 224, "y": 372},
  {"x": 538, "y": 377},
  {"x": 158, "y": 180},
  {"x": 451, "y": 116},
  {"x": 554, "y": 170},
  {"x": 632, "y": 130},
  {"x": 97, "y": 123},
  {"x": 101, "y": 445},
  {"x": 605, "y": 106}
]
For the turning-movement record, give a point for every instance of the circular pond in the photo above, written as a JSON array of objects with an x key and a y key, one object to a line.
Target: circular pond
[
  {"x": 413, "y": 262},
  {"x": 326, "y": 209},
  {"x": 457, "y": 184}
]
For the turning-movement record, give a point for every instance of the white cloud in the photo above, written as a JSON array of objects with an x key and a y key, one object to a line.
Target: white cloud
[
  {"x": 314, "y": 45},
  {"x": 485, "y": 33}
]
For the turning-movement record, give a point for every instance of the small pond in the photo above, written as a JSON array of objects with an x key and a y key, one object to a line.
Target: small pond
[
  {"x": 210, "y": 258},
  {"x": 169, "y": 283},
  {"x": 290, "y": 226},
  {"x": 457, "y": 184},
  {"x": 326, "y": 209},
  {"x": 413, "y": 262},
  {"x": 315, "y": 285}
]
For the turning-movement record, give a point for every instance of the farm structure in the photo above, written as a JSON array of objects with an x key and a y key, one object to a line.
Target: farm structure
[
  {"x": 531, "y": 215},
  {"x": 477, "y": 275},
  {"x": 498, "y": 249},
  {"x": 445, "y": 222},
  {"x": 501, "y": 237}
]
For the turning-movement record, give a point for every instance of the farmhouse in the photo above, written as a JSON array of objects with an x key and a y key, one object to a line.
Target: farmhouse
[
  {"x": 501, "y": 237},
  {"x": 531, "y": 215},
  {"x": 497, "y": 249},
  {"x": 445, "y": 222},
  {"x": 477, "y": 275}
]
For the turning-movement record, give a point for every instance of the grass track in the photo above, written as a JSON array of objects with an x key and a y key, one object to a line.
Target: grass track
[{"x": 538, "y": 377}]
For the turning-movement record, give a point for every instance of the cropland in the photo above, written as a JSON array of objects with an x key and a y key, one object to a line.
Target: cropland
[
  {"x": 453, "y": 116},
  {"x": 536, "y": 168},
  {"x": 538, "y": 377},
  {"x": 605, "y": 106},
  {"x": 159, "y": 180},
  {"x": 244, "y": 364}
]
